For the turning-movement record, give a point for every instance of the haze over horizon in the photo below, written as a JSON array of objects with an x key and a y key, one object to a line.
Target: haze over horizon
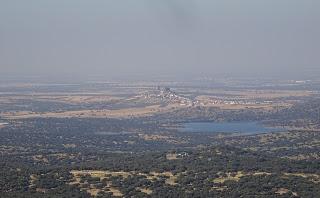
[{"x": 160, "y": 38}]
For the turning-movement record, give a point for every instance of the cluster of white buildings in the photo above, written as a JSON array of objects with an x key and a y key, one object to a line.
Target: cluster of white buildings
[
  {"x": 231, "y": 102},
  {"x": 166, "y": 95}
]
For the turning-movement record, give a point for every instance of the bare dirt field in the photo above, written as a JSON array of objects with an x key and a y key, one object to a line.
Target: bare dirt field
[{"x": 104, "y": 113}]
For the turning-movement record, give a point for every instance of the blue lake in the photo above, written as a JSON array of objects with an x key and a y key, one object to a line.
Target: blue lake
[{"x": 226, "y": 127}]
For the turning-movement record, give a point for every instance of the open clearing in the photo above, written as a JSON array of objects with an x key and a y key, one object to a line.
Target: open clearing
[
  {"x": 236, "y": 176},
  {"x": 105, "y": 176},
  {"x": 104, "y": 113}
]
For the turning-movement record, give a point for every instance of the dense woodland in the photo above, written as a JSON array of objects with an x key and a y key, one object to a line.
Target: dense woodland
[
  {"x": 37, "y": 156},
  {"x": 196, "y": 174}
]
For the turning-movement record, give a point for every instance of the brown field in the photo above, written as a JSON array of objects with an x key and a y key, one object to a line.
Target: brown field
[
  {"x": 228, "y": 100},
  {"x": 145, "y": 190},
  {"x": 171, "y": 180},
  {"x": 172, "y": 156},
  {"x": 236, "y": 176},
  {"x": 262, "y": 94},
  {"x": 104, "y": 113},
  {"x": 244, "y": 106},
  {"x": 223, "y": 99},
  {"x": 283, "y": 191}
]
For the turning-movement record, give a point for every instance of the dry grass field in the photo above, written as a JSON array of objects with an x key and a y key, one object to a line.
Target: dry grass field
[
  {"x": 126, "y": 102},
  {"x": 103, "y": 113},
  {"x": 105, "y": 175}
]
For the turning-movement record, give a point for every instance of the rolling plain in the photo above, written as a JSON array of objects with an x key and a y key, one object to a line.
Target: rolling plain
[{"x": 123, "y": 139}]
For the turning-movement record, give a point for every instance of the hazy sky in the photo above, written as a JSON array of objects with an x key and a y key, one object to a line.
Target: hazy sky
[{"x": 166, "y": 37}]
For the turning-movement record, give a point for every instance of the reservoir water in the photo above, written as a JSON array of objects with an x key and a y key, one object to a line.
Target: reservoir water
[{"x": 227, "y": 127}]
